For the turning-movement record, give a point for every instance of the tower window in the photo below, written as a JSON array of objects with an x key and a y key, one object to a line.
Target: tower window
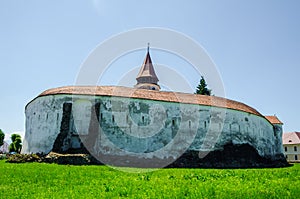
[
  {"x": 285, "y": 149},
  {"x": 296, "y": 157},
  {"x": 143, "y": 119},
  {"x": 173, "y": 122},
  {"x": 295, "y": 148},
  {"x": 113, "y": 118}
]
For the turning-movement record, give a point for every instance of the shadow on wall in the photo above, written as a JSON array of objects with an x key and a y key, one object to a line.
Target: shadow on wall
[{"x": 232, "y": 156}]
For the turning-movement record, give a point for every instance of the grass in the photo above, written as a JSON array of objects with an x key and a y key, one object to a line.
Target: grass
[{"x": 40, "y": 180}]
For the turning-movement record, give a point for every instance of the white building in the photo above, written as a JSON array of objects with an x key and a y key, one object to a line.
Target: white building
[
  {"x": 4, "y": 148},
  {"x": 291, "y": 145}
]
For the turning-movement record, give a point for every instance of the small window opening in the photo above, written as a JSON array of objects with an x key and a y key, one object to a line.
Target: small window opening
[
  {"x": 143, "y": 119},
  {"x": 173, "y": 122},
  {"x": 295, "y": 148},
  {"x": 190, "y": 123},
  {"x": 113, "y": 118},
  {"x": 204, "y": 124},
  {"x": 285, "y": 149},
  {"x": 296, "y": 157}
]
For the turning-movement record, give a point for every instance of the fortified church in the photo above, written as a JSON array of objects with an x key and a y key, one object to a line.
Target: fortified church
[{"x": 146, "y": 127}]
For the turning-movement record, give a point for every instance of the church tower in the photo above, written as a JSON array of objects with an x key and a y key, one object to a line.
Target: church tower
[{"x": 147, "y": 78}]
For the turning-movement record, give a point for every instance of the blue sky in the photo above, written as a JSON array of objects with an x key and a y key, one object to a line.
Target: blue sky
[{"x": 254, "y": 44}]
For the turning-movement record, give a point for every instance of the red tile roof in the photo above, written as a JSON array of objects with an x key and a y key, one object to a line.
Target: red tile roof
[
  {"x": 273, "y": 119},
  {"x": 291, "y": 138},
  {"x": 152, "y": 95}
]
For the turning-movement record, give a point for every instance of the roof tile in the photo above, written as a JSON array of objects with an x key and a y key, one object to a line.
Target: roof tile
[
  {"x": 273, "y": 119},
  {"x": 291, "y": 138},
  {"x": 152, "y": 95}
]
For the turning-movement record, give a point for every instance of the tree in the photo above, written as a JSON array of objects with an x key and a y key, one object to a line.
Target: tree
[
  {"x": 16, "y": 144},
  {"x": 2, "y": 135},
  {"x": 202, "y": 88}
]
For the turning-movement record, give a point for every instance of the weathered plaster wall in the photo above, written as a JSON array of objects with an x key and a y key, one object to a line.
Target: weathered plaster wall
[{"x": 145, "y": 128}]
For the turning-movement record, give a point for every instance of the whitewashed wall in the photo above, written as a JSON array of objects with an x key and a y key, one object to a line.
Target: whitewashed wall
[{"x": 148, "y": 128}]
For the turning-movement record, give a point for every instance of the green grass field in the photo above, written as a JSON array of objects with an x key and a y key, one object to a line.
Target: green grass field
[{"x": 40, "y": 180}]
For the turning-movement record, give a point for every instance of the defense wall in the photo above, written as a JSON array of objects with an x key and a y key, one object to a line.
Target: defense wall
[{"x": 142, "y": 128}]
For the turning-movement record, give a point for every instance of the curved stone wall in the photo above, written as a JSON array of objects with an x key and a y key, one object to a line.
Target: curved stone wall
[{"x": 144, "y": 128}]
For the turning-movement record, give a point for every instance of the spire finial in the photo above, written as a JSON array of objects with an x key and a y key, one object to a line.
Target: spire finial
[{"x": 148, "y": 47}]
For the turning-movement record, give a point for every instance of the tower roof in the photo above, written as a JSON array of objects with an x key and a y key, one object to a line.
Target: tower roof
[
  {"x": 147, "y": 69},
  {"x": 147, "y": 78}
]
